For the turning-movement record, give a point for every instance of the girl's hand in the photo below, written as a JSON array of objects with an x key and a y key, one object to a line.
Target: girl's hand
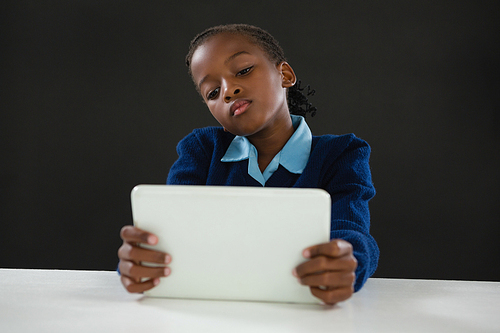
[
  {"x": 131, "y": 255},
  {"x": 330, "y": 271}
]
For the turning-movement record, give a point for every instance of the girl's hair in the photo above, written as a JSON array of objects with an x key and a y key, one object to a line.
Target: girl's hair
[{"x": 297, "y": 96}]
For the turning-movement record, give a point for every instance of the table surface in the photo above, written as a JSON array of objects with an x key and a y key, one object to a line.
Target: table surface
[{"x": 95, "y": 301}]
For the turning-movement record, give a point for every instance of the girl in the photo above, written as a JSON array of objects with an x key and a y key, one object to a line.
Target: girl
[{"x": 244, "y": 79}]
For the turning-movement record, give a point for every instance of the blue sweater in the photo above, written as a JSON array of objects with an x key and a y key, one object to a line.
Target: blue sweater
[{"x": 337, "y": 164}]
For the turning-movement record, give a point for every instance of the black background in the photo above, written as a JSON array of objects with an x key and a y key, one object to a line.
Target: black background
[{"x": 94, "y": 97}]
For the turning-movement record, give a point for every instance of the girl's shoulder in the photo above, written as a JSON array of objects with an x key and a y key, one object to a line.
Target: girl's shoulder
[
  {"x": 206, "y": 138},
  {"x": 344, "y": 140},
  {"x": 336, "y": 145}
]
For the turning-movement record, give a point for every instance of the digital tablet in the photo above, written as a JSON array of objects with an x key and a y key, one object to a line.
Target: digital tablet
[{"x": 233, "y": 243}]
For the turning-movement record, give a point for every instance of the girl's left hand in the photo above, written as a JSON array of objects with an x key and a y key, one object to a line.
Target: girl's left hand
[{"x": 330, "y": 271}]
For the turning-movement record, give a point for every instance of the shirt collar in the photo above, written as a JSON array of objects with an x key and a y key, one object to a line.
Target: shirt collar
[{"x": 293, "y": 156}]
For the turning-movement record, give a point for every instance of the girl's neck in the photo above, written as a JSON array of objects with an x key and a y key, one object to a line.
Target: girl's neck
[{"x": 270, "y": 142}]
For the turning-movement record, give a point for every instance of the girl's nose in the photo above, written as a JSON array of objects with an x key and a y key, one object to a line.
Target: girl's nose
[{"x": 231, "y": 93}]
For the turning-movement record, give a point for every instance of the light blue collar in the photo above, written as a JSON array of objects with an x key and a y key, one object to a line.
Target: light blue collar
[{"x": 293, "y": 156}]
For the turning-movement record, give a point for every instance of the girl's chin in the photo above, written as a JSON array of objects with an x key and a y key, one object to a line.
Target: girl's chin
[{"x": 246, "y": 126}]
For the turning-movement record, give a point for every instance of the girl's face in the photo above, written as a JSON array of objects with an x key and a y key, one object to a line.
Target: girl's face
[{"x": 243, "y": 89}]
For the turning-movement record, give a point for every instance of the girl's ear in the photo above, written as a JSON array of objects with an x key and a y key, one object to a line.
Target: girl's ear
[{"x": 288, "y": 77}]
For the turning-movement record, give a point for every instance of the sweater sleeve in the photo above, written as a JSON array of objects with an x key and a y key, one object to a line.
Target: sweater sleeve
[
  {"x": 191, "y": 168},
  {"x": 350, "y": 186}
]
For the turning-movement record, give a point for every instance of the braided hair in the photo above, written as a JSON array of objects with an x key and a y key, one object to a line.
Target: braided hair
[{"x": 298, "y": 102}]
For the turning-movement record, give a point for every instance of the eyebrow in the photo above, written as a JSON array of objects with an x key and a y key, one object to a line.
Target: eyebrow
[
  {"x": 225, "y": 62},
  {"x": 234, "y": 56}
]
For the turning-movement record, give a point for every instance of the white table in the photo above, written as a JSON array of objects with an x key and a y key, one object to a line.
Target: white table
[{"x": 90, "y": 301}]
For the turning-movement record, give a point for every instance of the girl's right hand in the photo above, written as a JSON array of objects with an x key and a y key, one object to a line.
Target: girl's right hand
[{"x": 131, "y": 255}]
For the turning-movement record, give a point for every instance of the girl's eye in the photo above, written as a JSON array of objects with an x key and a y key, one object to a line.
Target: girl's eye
[
  {"x": 244, "y": 71},
  {"x": 213, "y": 94}
]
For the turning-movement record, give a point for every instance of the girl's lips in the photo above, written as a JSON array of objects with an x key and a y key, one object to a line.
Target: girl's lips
[{"x": 239, "y": 106}]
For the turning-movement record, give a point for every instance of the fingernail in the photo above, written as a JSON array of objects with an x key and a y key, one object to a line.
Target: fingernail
[
  {"x": 307, "y": 254},
  {"x": 156, "y": 281},
  {"x": 152, "y": 239},
  {"x": 168, "y": 259},
  {"x": 294, "y": 272},
  {"x": 166, "y": 272}
]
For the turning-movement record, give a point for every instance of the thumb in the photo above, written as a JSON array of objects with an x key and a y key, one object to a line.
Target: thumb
[{"x": 334, "y": 249}]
